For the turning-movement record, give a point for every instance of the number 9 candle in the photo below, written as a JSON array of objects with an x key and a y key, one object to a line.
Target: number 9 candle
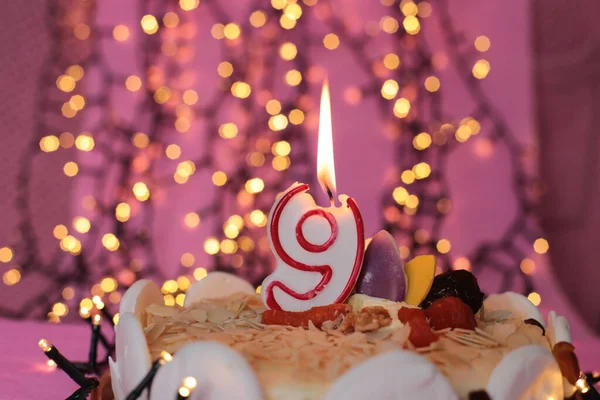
[{"x": 319, "y": 251}]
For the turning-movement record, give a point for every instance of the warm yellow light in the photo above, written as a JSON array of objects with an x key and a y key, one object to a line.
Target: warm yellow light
[
  {"x": 108, "y": 284},
  {"x": 45, "y": 345},
  {"x": 401, "y": 107},
  {"x": 75, "y": 71},
  {"x": 200, "y": 273},
  {"x": 443, "y": 246},
  {"x": 180, "y": 299},
  {"x": 188, "y": 5},
  {"x": 186, "y": 168},
  {"x": 187, "y": 259},
  {"x": 149, "y": 24},
  {"x": 481, "y": 69},
  {"x": 81, "y": 224},
  {"x": 391, "y": 61},
  {"x": 231, "y": 231},
  {"x": 287, "y": 23},
  {"x": 182, "y": 124},
  {"x": 246, "y": 243},
  {"x": 412, "y": 201},
  {"x": 190, "y": 382},
  {"x": 169, "y": 286},
  {"x": 331, "y": 41},
  {"x": 11, "y": 277},
  {"x": 241, "y": 90},
  {"x": 140, "y": 140},
  {"x": 256, "y": 159},
  {"x": 408, "y": 177},
  {"x": 296, "y": 116},
  {"x": 165, "y": 357},
  {"x": 169, "y": 300},
  {"x": 293, "y": 11},
  {"x": 49, "y": 143},
  {"x": 482, "y": 43},
  {"x": 400, "y": 195},
  {"x": 325, "y": 160},
  {"x": 110, "y": 241},
  {"x": 432, "y": 84},
  {"x": 211, "y": 245},
  {"x": 190, "y": 97},
  {"x": 527, "y": 266},
  {"x": 288, "y": 51},
  {"x": 281, "y": 148},
  {"x": 409, "y": 8},
  {"x": 225, "y": 69},
  {"x": 123, "y": 212},
  {"x": 582, "y": 383},
  {"x": 422, "y": 170},
  {"x": 85, "y": 142},
  {"x": 258, "y": 218},
  {"x": 258, "y": 288},
  {"x": 422, "y": 141},
  {"x": 173, "y": 151},
  {"x": 278, "y": 122},
  {"x": 255, "y": 185},
  {"x": 541, "y": 246},
  {"x": 191, "y": 220},
  {"x": 229, "y": 246},
  {"x": 389, "y": 89},
  {"x": 82, "y": 31},
  {"x": 67, "y": 111},
  {"x": 411, "y": 24},
  {"x": 70, "y": 169},
  {"x": 60, "y": 309},
  {"x": 293, "y": 77},
  {"x": 162, "y": 95},
  {"x": 228, "y": 130},
  {"x": 68, "y": 293},
  {"x": 278, "y": 4},
  {"x": 462, "y": 263},
  {"x": 133, "y": 83},
  {"x": 6, "y": 254},
  {"x": 183, "y": 282},
  {"x": 463, "y": 133},
  {"x": 60, "y": 231},
  {"x": 273, "y": 106},
  {"x": 424, "y": 9},
  {"x": 65, "y": 83},
  {"x": 77, "y": 102},
  {"x": 218, "y": 31},
  {"x": 389, "y": 24},
  {"x": 219, "y": 178},
  {"x": 120, "y": 33},
  {"x": 171, "y": 19},
  {"x": 141, "y": 191},
  {"x": 535, "y": 298},
  {"x": 258, "y": 18},
  {"x": 281, "y": 163},
  {"x": 232, "y": 31},
  {"x": 66, "y": 139}
]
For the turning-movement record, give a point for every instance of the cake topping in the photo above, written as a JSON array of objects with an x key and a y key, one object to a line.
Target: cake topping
[
  {"x": 382, "y": 274},
  {"x": 420, "y": 332},
  {"x": 316, "y": 315},
  {"x": 419, "y": 275},
  {"x": 450, "y": 312},
  {"x": 459, "y": 283}
]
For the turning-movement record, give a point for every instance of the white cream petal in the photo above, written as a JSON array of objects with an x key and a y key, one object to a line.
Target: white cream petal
[
  {"x": 115, "y": 380},
  {"x": 394, "y": 375},
  {"x": 138, "y": 297},
  {"x": 221, "y": 374},
  {"x": 558, "y": 330},
  {"x": 516, "y": 303},
  {"x": 527, "y": 373},
  {"x": 133, "y": 356},
  {"x": 216, "y": 285}
]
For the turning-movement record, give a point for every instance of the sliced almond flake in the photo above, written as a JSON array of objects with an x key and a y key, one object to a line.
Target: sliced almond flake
[
  {"x": 199, "y": 315},
  {"x": 476, "y": 338},
  {"x": 443, "y": 331},
  {"x": 465, "y": 341},
  {"x": 161, "y": 310},
  {"x": 153, "y": 332},
  {"x": 219, "y": 315},
  {"x": 485, "y": 334}
]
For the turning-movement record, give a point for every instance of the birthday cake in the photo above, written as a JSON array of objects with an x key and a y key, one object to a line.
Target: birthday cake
[{"x": 443, "y": 340}]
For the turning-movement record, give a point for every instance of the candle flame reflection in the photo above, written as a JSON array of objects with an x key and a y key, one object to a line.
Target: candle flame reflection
[{"x": 325, "y": 164}]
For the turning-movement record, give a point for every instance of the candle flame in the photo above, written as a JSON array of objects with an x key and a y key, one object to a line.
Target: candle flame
[{"x": 325, "y": 164}]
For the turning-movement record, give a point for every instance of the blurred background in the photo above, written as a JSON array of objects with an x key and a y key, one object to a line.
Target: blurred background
[{"x": 149, "y": 139}]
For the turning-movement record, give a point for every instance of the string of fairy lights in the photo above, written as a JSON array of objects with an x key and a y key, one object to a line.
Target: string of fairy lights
[{"x": 133, "y": 148}]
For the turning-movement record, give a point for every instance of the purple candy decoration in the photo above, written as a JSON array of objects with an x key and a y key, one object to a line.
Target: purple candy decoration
[{"x": 382, "y": 273}]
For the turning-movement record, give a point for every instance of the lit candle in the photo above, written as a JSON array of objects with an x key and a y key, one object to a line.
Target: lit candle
[{"x": 319, "y": 251}]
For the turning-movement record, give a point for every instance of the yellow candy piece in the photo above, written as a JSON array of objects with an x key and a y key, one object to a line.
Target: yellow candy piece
[{"x": 420, "y": 272}]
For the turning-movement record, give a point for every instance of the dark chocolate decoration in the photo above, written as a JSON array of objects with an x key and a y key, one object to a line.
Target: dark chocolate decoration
[
  {"x": 459, "y": 283},
  {"x": 535, "y": 322},
  {"x": 382, "y": 273},
  {"x": 479, "y": 395}
]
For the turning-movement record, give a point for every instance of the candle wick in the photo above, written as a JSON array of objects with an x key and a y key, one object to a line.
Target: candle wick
[{"x": 330, "y": 195}]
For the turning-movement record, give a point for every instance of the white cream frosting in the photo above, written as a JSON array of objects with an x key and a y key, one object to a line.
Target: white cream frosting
[{"x": 522, "y": 374}]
